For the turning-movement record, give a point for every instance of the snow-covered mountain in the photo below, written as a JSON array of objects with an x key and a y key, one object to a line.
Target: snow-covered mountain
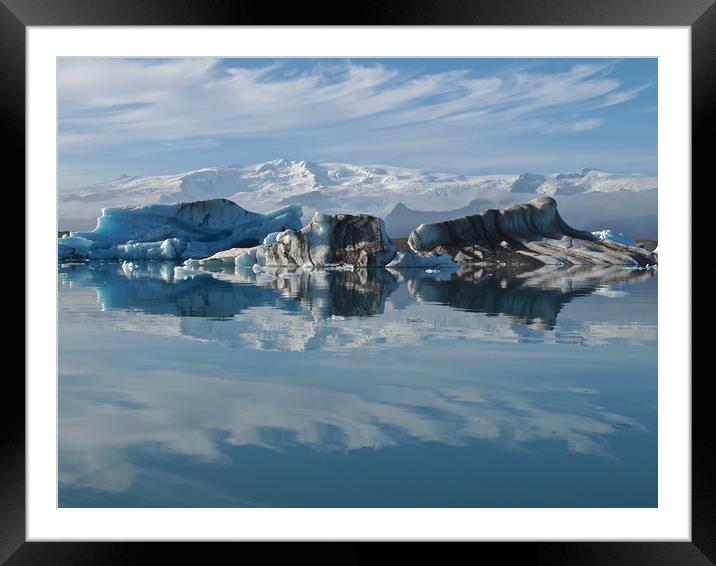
[
  {"x": 332, "y": 187},
  {"x": 585, "y": 180}
]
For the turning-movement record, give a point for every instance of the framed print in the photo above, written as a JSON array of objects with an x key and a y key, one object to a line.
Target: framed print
[{"x": 391, "y": 280}]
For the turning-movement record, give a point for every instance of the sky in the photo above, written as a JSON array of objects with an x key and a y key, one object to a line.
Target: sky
[{"x": 467, "y": 116}]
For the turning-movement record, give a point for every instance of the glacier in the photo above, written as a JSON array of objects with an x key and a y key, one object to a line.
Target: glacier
[
  {"x": 581, "y": 181},
  {"x": 175, "y": 231},
  {"x": 337, "y": 188}
]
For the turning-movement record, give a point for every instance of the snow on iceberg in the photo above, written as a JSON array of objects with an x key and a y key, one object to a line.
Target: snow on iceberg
[
  {"x": 612, "y": 236},
  {"x": 176, "y": 231}
]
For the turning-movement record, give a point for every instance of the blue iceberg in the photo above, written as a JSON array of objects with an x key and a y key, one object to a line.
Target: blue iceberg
[{"x": 175, "y": 231}]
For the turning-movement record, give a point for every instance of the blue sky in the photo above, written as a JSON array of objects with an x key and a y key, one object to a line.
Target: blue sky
[{"x": 470, "y": 116}]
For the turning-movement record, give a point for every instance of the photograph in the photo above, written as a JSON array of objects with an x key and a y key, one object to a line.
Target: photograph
[{"x": 356, "y": 282}]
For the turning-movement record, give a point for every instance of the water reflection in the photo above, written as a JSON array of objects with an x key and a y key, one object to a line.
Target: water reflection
[
  {"x": 369, "y": 308},
  {"x": 183, "y": 412},
  {"x": 530, "y": 297},
  {"x": 342, "y": 363}
]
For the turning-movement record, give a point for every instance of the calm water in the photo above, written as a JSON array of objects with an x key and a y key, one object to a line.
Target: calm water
[{"x": 365, "y": 389}]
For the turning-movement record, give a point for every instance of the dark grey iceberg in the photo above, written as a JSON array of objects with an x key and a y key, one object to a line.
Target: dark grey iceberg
[
  {"x": 532, "y": 233},
  {"x": 339, "y": 241},
  {"x": 342, "y": 239}
]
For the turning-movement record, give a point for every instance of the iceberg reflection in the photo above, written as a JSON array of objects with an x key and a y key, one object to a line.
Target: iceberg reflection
[{"x": 368, "y": 308}]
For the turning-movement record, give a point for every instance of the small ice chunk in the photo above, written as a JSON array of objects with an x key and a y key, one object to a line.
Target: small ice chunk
[
  {"x": 171, "y": 248},
  {"x": 411, "y": 259},
  {"x": 610, "y": 293},
  {"x": 341, "y": 267},
  {"x": 181, "y": 272},
  {"x": 247, "y": 258},
  {"x": 616, "y": 237}
]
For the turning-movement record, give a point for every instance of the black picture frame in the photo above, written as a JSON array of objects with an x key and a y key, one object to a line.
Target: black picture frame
[{"x": 17, "y": 15}]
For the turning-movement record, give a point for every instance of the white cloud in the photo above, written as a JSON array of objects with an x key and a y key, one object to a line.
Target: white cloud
[
  {"x": 622, "y": 96},
  {"x": 105, "y": 102}
]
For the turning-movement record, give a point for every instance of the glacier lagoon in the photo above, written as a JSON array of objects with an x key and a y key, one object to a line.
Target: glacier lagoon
[{"x": 373, "y": 388}]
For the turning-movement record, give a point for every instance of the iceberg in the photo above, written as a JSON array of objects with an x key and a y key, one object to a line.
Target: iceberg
[
  {"x": 329, "y": 240},
  {"x": 128, "y": 266},
  {"x": 532, "y": 233},
  {"x": 176, "y": 231},
  {"x": 336, "y": 242}
]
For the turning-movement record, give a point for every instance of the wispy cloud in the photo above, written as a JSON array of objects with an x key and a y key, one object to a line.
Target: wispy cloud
[
  {"x": 109, "y": 101},
  {"x": 330, "y": 107},
  {"x": 622, "y": 96},
  {"x": 575, "y": 127}
]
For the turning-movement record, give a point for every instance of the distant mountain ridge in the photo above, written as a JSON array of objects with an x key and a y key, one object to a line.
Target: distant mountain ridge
[{"x": 336, "y": 187}]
